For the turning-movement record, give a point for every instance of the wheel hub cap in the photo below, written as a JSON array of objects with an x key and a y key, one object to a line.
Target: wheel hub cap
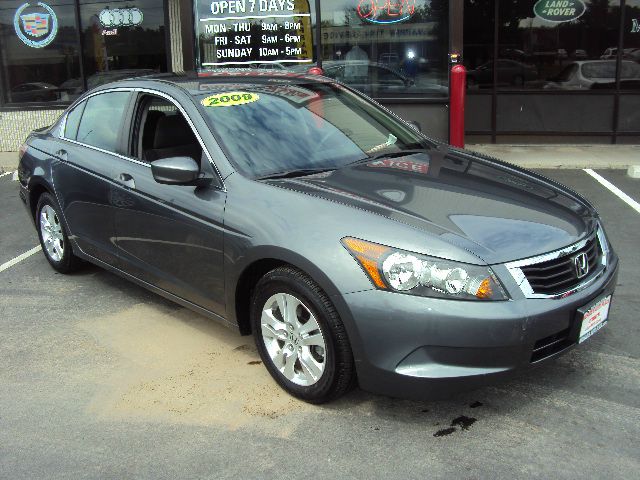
[
  {"x": 51, "y": 231},
  {"x": 293, "y": 339}
]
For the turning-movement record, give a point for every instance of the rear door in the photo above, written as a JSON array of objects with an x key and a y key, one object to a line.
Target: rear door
[
  {"x": 89, "y": 144},
  {"x": 170, "y": 236}
]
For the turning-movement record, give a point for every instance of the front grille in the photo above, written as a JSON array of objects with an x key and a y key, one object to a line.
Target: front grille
[
  {"x": 549, "y": 345},
  {"x": 559, "y": 275}
]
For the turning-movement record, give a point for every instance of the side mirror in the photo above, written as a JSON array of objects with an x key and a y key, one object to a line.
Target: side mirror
[
  {"x": 177, "y": 171},
  {"x": 415, "y": 125}
]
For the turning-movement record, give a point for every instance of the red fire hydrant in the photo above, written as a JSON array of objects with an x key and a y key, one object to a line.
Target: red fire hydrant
[{"x": 457, "y": 87}]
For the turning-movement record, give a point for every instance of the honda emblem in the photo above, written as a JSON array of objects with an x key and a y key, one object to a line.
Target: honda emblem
[{"x": 581, "y": 262}]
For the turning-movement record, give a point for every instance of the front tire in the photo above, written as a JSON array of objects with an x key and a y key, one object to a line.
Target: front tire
[
  {"x": 300, "y": 337},
  {"x": 53, "y": 236}
]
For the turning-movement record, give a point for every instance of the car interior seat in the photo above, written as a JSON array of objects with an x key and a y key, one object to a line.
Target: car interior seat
[
  {"x": 173, "y": 138},
  {"x": 150, "y": 124}
]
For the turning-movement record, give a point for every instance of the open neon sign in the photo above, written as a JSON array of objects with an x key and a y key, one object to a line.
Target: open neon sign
[{"x": 386, "y": 11}]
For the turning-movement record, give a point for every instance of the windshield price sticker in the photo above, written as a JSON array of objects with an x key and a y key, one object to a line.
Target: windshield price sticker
[
  {"x": 243, "y": 32},
  {"x": 230, "y": 99}
]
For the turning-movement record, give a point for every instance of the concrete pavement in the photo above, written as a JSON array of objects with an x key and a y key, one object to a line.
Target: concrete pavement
[{"x": 102, "y": 379}]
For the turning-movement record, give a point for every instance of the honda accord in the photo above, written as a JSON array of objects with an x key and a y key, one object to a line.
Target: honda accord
[{"x": 353, "y": 247}]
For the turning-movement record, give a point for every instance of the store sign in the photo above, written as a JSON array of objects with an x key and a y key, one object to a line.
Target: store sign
[
  {"x": 411, "y": 32},
  {"x": 559, "y": 11},
  {"x": 244, "y": 32},
  {"x": 36, "y": 24},
  {"x": 386, "y": 11},
  {"x": 635, "y": 25},
  {"x": 120, "y": 17}
]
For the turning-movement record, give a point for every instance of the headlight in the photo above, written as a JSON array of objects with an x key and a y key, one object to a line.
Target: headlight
[{"x": 415, "y": 274}]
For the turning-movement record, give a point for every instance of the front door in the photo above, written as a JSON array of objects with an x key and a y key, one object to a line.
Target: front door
[{"x": 170, "y": 236}]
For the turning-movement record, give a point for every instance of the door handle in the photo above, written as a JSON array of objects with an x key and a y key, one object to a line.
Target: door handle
[
  {"x": 62, "y": 154},
  {"x": 127, "y": 180}
]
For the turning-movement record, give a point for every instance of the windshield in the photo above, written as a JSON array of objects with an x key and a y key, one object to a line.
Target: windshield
[{"x": 301, "y": 126}]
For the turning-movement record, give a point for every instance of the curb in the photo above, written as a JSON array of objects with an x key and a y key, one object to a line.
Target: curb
[
  {"x": 563, "y": 156},
  {"x": 8, "y": 161}
]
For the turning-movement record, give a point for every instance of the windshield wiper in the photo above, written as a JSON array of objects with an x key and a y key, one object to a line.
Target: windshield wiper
[
  {"x": 400, "y": 153},
  {"x": 298, "y": 172}
]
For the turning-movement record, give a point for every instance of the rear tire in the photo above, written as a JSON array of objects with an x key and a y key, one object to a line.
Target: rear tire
[
  {"x": 53, "y": 236},
  {"x": 300, "y": 337}
]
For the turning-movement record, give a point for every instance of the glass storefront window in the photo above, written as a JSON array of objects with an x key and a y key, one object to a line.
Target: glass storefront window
[
  {"x": 121, "y": 38},
  {"x": 630, "y": 77},
  {"x": 387, "y": 48},
  {"x": 39, "y": 50},
  {"x": 478, "y": 37},
  {"x": 547, "y": 45},
  {"x": 264, "y": 34}
]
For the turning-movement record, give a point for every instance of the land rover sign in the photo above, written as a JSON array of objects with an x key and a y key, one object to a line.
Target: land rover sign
[{"x": 559, "y": 10}]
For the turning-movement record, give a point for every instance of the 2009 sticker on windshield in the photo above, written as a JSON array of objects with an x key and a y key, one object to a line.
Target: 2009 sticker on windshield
[{"x": 229, "y": 99}]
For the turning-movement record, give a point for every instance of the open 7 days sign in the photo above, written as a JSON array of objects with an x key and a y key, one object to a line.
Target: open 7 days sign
[{"x": 559, "y": 11}]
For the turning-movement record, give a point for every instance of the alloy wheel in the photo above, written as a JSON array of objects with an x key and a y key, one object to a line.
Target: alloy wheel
[
  {"x": 51, "y": 231},
  {"x": 293, "y": 339}
]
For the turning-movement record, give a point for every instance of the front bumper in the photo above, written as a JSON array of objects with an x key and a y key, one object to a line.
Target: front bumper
[{"x": 416, "y": 347}]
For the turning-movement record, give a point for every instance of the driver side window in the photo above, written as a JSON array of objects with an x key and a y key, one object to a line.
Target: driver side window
[{"x": 162, "y": 132}]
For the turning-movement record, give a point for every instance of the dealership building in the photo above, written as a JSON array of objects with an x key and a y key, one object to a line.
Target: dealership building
[{"x": 547, "y": 71}]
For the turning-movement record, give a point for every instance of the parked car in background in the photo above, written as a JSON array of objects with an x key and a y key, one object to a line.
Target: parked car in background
[
  {"x": 296, "y": 209},
  {"x": 272, "y": 66},
  {"x": 632, "y": 54},
  {"x": 367, "y": 77},
  {"x": 628, "y": 53},
  {"x": 510, "y": 72},
  {"x": 34, "y": 92},
  {"x": 580, "y": 54},
  {"x": 586, "y": 74},
  {"x": 73, "y": 88},
  {"x": 609, "y": 53},
  {"x": 391, "y": 60}
]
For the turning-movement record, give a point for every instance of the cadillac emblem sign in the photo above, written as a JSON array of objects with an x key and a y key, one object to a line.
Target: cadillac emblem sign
[{"x": 36, "y": 24}]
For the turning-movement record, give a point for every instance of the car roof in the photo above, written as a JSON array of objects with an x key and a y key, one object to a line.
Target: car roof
[{"x": 204, "y": 82}]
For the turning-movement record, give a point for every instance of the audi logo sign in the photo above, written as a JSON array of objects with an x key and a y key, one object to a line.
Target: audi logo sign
[{"x": 120, "y": 17}]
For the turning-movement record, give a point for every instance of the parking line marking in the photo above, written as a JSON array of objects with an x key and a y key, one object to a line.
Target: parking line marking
[
  {"x": 615, "y": 190},
  {"x": 19, "y": 258},
  {"x": 5, "y": 174}
]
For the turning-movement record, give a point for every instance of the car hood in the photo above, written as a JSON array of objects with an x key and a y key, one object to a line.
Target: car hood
[{"x": 496, "y": 211}]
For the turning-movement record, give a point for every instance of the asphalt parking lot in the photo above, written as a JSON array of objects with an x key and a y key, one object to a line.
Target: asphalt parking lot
[{"x": 102, "y": 379}]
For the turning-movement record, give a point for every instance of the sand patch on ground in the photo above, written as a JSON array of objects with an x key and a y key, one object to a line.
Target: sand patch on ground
[{"x": 174, "y": 365}]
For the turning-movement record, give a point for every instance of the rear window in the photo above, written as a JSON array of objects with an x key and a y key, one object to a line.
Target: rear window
[
  {"x": 630, "y": 70},
  {"x": 599, "y": 70},
  {"x": 73, "y": 121},
  {"x": 101, "y": 120}
]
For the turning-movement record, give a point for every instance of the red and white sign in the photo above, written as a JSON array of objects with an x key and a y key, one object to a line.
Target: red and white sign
[{"x": 595, "y": 318}]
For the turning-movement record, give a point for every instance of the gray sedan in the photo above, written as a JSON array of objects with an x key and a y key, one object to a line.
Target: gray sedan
[{"x": 353, "y": 247}]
